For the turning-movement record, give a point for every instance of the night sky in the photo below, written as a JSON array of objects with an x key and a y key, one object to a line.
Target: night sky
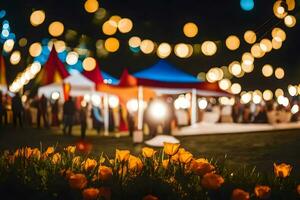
[{"x": 162, "y": 21}]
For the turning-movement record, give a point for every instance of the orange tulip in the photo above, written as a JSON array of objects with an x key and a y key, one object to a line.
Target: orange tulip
[
  {"x": 212, "y": 181},
  {"x": 28, "y": 152},
  {"x": 135, "y": 164},
  {"x": 89, "y": 164},
  {"x": 36, "y": 153},
  {"x": 104, "y": 173},
  {"x": 171, "y": 148},
  {"x": 90, "y": 193},
  {"x": 56, "y": 158},
  {"x": 76, "y": 161},
  {"x": 71, "y": 149},
  {"x": 282, "y": 170},
  {"x": 165, "y": 164},
  {"x": 148, "y": 152},
  {"x": 262, "y": 191},
  {"x": 239, "y": 194},
  {"x": 49, "y": 151},
  {"x": 78, "y": 181},
  {"x": 66, "y": 173},
  {"x": 150, "y": 197},
  {"x": 201, "y": 167},
  {"x": 185, "y": 156},
  {"x": 122, "y": 155}
]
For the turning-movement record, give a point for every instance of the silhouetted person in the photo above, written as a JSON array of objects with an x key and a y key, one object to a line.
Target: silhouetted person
[
  {"x": 261, "y": 116},
  {"x": 130, "y": 121},
  {"x": 69, "y": 110},
  {"x": 54, "y": 111},
  {"x": 111, "y": 120},
  {"x": 17, "y": 109},
  {"x": 170, "y": 116},
  {"x": 42, "y": 111},
  {"x": 83, "y": 123},
  {"x": 98, "y": 120}
]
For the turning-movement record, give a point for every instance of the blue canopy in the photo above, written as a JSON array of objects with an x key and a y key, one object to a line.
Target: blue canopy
[
  {"x": 164, "y": 71},
  {"x": 110, "y": 79}
]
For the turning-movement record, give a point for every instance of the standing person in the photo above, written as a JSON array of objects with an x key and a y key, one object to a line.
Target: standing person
[
  {"x": 98, "y": 120},
  {"x": 170, "y": 116},
  {"x": 42, "y": 111},
  {"x": 54, "y": 111},
  {"x": 130, "y": 121},
  {"x": 83, "y": 122},
  {"x": 17, "y": 109},
  {"x": 69, "y": 110}
]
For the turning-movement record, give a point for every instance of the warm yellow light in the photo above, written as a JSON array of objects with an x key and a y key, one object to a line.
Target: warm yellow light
[
  {"x": 235, "y": 68},
  {"x": 279, "y": 92},
  {"x": 224, "y": 84},
  {"x": 256, "y": 51},
  {"x": 290, "y": 21},
  {"x": 247, "y": 68},
  {"x": 8, "y": 45},
  {"x": 279, "y": 73},
  {"x": 248, "y": 58},
  {"x": 23, "y": 42},
  {"x": 164, "y": 50},
  {"x": 267, "y": 70},
  {"x": 278, "y": 9},
  {"x": 91, "y": 6},
  {"x": 35, "y": 49},
  {"x": 60, "y": 46},
  {"x": 246, "y": 98},
  {"x": 56, "y": 29},
  {"x": 278, "y": 34},
  {"x": 111, "y": 44},
  {"x": 202, "y": 76},
  {"x": 291, "y": 4},
  {"x": 214, "y": 74},
  {"x": 109, "y": 27},
  {"x": 293, "y": 90},
  {"x": 266, "y": 45},
  {"x": 181, "y": 50},
  {"x": 276, "y": 44},
  {"x": 268, "y": 95},
  {"x": 235, "y": 88},
  {"x": 134, "y": 42},
  {"x": 37, "y": 17},
  {"x": 116, "y": 19},
  {"x": 190, "y": 29},
  {"x": 72, "y": 58},
  {"x": 232, "y": 42},
  {"x": 15, "y": 57},
  {"x": 89, "y": 64},
  {"x": 147, "y": 46},
  {"x": 125, "y": 25},
  {"x": 209, "y": 48},
  {"x": 250, "y": 37}
]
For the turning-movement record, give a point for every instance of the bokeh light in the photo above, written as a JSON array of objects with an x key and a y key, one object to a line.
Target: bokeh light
[
  {"x": 56, "y": 29},
  {"x": 266, "y": 45},
  {"x": 89, "y": 64},
  {"x": 247, "y": 5},
  {"x": 256, "y": 51},
  {"x": 147, "y": 46},
  {"x": 267, "y": 95},
  {"x": 209, "y": 48},
  {"x": 109, "y": 27},
  {"x": 235, "y": 88},
  {"x": 190, "y": 29},
  {"x": 111, "y": 44},
  {"x": 279, "y": 92},
  {"x": 8, "y": 45},
  {"x": 250, "y": 37},
  {"x": 23, "y": 42},
  {"x": 224, "y": 84},
  {"x": 72, "y": 58},
  {"x": 279, "y": 73},
  {"x": 134, "y": 42},
  {"x": 232, "y": 42},
  {"x": 15, "y": 57},
  {"x": 35, "y": 49},
  {"x": 164, "y": 50},
  {"x": 91, "y": 6},
  {"x": 181, "y": 50},
  {"x": 290, "y": 21},
  {"x": 267, "y": 70},
  {"x": 125, "y": 25},
  {"x": 37, "y": 17}
]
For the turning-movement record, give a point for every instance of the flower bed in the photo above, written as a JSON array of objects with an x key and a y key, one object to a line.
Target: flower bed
[{"x": 170, "y": 173}]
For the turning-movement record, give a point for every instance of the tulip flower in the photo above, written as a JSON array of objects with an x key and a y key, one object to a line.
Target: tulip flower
[
  {"x": 239, "y": 194},
  {"x": 148, "y": 152},
  {"x": 212, "y": 181},
  {"x": 90, "y": 194},
  {"x": 262, "y": 191},
  {"x": 171, "y": 148},
  {"x": 282, "y": 170},
  {"x": 122, "y": 155}
]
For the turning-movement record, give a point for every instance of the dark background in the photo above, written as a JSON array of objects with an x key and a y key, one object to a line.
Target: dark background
[{"x": 162, "y": 21}]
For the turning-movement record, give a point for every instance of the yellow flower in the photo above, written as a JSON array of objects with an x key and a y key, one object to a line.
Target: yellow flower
[
  {"x": 165, "y": 164},
  {"x": 262, "y": 191},
  {"x": 28, "y": 152},
  {"x": 148, "y": 152},
  {"x": 77, "y": 181},
  {"x": 36, "y": 153},
  {"x": 150, "y": 197},
  {"x": 239, "y": 194},
  {"x": 49, "y": 151},
  {"x": 122, "y": 155},
  {"x": 212, "y": 181},
  {"x": 282, "y": 170},
  {"x": 135, "y": 164},
  {"x": 201, "y": 167},
  {"x": 171, "y": 148},
  {"x": 105, "y": 173},
  {"x": 56, "y": 158},
  {"x": 185, "y": 156},
  {"x": 19, "y": 152},
  {"x": 71, "y": 149},
  {"x": 89, "y": 164},
  {"x": 90, "y": 193},
  {"x": 76, "y": 161}
]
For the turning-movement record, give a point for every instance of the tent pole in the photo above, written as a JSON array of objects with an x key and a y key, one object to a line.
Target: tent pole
[
  {"x": 194, "y": 107},
  {"x": 106, "y": 115},
  {"x": 140, "y": 108}
]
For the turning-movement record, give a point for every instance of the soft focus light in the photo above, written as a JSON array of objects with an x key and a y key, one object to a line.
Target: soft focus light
[
  {"x": 15, "y": 57},
  {"x": 224, "y": 84},
  {"x": 8, "y": 45},
  {"x": 116, "y": 19},
  {"x": 276, "y": 44},
  {"x": 89, "y": 64},
  {"x": 96, "y": 100},
  {"x": 164, "y": 50},
  {"x": 60, "y": 46},
  {"x": 279, "y": 92},
  {"x": 246, "y": 98},
  {"x": 279, "y": 73},
  {"x": 132, "y": 105},
  {"x": 290, "y": 21},
  {"x": 278, "y": 34},
  {"x": 266, "y": 45},
  {"x": 55, "y": 95},
  {"x": 202, "y": 103},
  {"x": 23, "y": 42},
  {"x": 125, "y": 25},
  {"x": 214, "y": 74},
  {"x": 235, "y": 88},
  {"x": 209, "y": 48},
  {"x": 56, "y": 29},
  {"x": 248, "y": 58},
  {"x": 37, "y": 17},
  {"x": 295, "y": 109},
  {"x": 267, "y": 95},
  {"x": 232, "y": 42},
  {"x": 250, "y": 37},
  {"x": 247, "y": 68},
  {"x": 112, "y": 44},
  {"x": 256, "y": 51},
  {"x": 267, "y": 70},
  {"x": 113, "y": 101},
  {"x": 279, "y": 9},
  {"x": 182, "y": 102},
  {"x": 235, "y": 68},
  {"x": 158, "y": 110},
  {"x": 147, "y": 46},
  {"x": 35, "y": 49},
  {"x": 201, "y": 76},
  {"x": 256, "y": 99},
  {"x": 291, "y": 4},
  {"x": 134, "y": 42},
  {"x": 181, "y": 50},
  {"x": 190, "y": 29},
  {"x": 72, "y": 58},
  {"x": 283, "y": 101},
  {"x": 109, "y": 27},
  {"x": 247, "y": 5},
  {"x": 293, "y": 90},
  {"x": 91, "y": 6}
]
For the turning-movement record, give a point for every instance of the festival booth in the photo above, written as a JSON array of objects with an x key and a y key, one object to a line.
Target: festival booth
[{"x": 3, "y": 84}]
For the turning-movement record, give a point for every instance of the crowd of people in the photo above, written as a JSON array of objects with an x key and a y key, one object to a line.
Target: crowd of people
[{"x": 42, "y": 112}]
